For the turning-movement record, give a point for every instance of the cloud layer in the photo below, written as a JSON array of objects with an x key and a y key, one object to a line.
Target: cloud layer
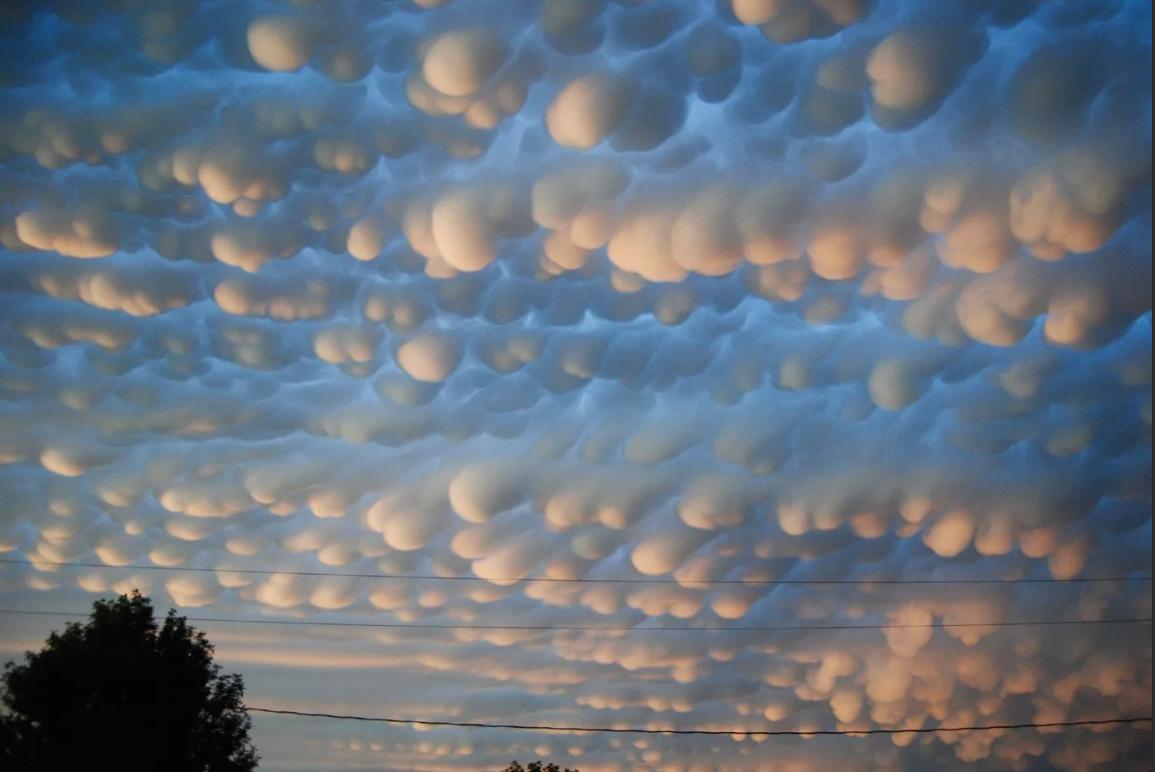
[{"x": 710, "y": 293}]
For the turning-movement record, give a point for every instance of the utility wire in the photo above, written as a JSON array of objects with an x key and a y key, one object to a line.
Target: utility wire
[
  {"x": 526, "y": 580},
  {"x": 553, "y": 628},
  {"x": 709, "y": 733}
]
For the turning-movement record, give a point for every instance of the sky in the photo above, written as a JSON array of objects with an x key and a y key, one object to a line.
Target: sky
[{"x": 582, "y": 363}]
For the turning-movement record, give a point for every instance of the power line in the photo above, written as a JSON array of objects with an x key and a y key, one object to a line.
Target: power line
[
  {"x": 561, "y": 628},
  {"x": 546, "y": 580},
  {"x": 707, "y": 732}
]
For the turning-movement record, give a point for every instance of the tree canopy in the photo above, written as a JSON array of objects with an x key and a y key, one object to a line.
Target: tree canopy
[
  {"x": 537, "y": 766},
  {"x": 121, "y": 692}
]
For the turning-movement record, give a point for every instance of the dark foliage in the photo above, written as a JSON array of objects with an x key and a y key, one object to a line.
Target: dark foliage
[
  {"x": 124, "y": 693},
  {"x": 537, "y": 766}
]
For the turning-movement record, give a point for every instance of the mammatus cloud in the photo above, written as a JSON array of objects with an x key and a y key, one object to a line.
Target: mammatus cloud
[
  {"x": 87, "y": 233},
  {"x": 599, "y": 317}
]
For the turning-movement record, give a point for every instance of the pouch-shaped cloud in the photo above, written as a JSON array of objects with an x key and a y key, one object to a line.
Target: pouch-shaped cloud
[
  {"x": 894, "y": 384},
  {"x": 769, "y": 217},
  {"x": 1068, "y": 205},
  {"x": 512, "y": 562},
  {"x": 282, "y": 43},
  {"x": 833, "y": 161},
  {"x": 914, "y": 69},
  {"x": 193, "y": 592},
  {"x": 588, "y": 110},
  {"x": 250, "y": 246},
  {"x": 1053, "y": 89},
  {"x": 403, "y": 315},
  {"x": 343, "y": 344},
  {"x": 143, "y": 294},
  {"x": 969, "y": 209},
  {"x": 951, "y": 535},
  {"x": 86, "y": 232},
  {"x": 467, "y": 73},
  {"x": 458, "y": 64},
  {"x": 561, "y": 17},
  {"x": 643, "y": 243},
  {"x": 279, "y": 300},
  {"x": 658, "y": 115},
  {"x": 705, "y": 238},
  {"x": 577, "y": 202},
  {"x": 711, "y": 50},
  {"x": 480, "y": 492},
  {"x": 462, "y": 230},
  {"x": 561, "y": 196},
  {"x": 998, "y": 311},
  {"x": 411, "y": 516},
  {"x": 367, "y": 238},
  {"x": 74, "y": 461},
  {"x": 832, "y": 100},
  {"x": 758, "y": 12},
  {"x": 350, "y": 156},
  {"x": 467, "y": 223},
  {"x": 837, "y": 247},
  {"x": 55, "y": 327},
  {"x": 230, "y": 172},
  {"x": 793, "y": 21},
  {"x": 716, "y": 502},
  {"x": 205, "y": 499},
  {"x": 664, "y": 552},
  {"x": 430, "y": 358}
]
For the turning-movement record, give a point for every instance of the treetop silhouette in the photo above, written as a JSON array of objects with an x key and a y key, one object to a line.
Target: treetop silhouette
[{"x": 122, "y": 692}]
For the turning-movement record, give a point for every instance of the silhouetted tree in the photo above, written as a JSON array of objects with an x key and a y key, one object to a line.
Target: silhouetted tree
[
  {"x": 537, "y": 766},
  {"x": 123, "y": 693}
]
